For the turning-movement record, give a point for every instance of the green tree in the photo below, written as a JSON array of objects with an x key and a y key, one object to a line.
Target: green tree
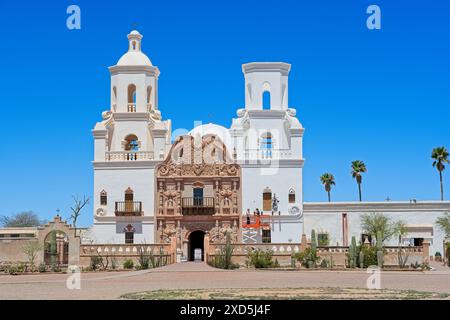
[
  {"x": 21, "y": 219},
  {"x": 440, "y": 156},
  {"x": 31, "y": 250},
  {"x": 377, "y": 224},
  {"x": 358, "y": 167},
  {"x": 327, "y": 180},
  {"x": 444, "y": 224}
]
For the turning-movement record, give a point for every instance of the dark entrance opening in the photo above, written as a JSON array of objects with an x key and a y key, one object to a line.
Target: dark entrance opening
[
  {"x": 196, "y": 239},
  {"x": 418, "y": 242}
]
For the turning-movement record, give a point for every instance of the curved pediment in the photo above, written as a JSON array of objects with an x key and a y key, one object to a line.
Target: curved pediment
[{"x": 207, "y": 156}]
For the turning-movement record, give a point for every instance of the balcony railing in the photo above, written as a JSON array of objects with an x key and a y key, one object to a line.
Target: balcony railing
[
  {"x": 128, "y": 208},
  {"x": 197, "y": 206},
  {"x": 131, "y": 107},
  {"x": 128, "y": 155},
  {"x": 268, "y": 154}
]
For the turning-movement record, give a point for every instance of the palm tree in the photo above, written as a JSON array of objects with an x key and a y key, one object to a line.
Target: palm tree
[
  {"x": 440, "y": 156},
  {"x": 327, "y": 180},
  {"x": 358, "y": 167}
]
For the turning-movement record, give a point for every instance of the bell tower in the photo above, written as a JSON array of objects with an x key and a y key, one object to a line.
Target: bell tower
[
  {"x": 266, "y": 78},
  {"x": 134, "y": 80}
]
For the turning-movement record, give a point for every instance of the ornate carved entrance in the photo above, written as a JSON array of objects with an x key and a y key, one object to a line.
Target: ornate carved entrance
[{"x": 198, "y": 189}]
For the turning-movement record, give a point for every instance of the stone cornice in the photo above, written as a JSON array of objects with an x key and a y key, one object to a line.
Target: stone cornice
[
  {"x": 296, "y": 132},
  {"x": 149, "y": 70},
  {"x": 266, "y": 114},
  {"x": 391, "y": 206},
  {"x": 120, "y": 165},
  {"x": 133, "y": 116},
  {"x": 282, "y": 67},
  {"x": 114, "y": 219},
  {"x": 99, "y": 133},
  {"x": 159, "y": 133},
  {"x": 280, "y": 163}
]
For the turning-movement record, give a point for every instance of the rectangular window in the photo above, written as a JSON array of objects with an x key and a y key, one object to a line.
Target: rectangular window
[
  {"x": 266, "y": 236},
  {"x": 291, "y": 197},
  {"x": 103, "y": 199},
  {"x": 267, "y": 201},
  {"x": 129, "y": 237}
]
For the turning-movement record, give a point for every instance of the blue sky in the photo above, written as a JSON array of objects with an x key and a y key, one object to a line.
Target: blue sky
[{"x": 381, "y": 96}]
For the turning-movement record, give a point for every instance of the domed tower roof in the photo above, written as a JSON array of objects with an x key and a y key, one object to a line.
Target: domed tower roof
[{"x": 134, "y": 56}]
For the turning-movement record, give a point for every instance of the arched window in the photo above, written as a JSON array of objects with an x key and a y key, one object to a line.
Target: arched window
[
  {"x": 266, "y": 144},
  {"x": 266, "y": 100},
  {"x": 267, "y": 199},
  {"x": 103, "y": 198},
  {"x": 131, "y": 143},
  {"x": 291, "y": 196},
  {"x": 131, "y": 98}
]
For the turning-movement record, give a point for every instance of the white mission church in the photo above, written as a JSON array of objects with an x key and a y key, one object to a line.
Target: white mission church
[{"x": 148, "y": 188}]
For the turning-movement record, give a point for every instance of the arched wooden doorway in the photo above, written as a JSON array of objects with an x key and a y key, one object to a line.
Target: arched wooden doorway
[{"x": 196, "y": 241}]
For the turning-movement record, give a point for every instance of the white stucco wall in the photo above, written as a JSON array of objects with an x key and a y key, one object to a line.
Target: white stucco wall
[{"x": 422, "y": 215}]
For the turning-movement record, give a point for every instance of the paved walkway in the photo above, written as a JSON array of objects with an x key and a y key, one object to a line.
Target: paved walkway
[{"x": 111, "y": 285}]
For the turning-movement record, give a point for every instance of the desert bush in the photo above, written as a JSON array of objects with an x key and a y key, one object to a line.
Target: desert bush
[
  {"x": 42, "y": 267},
  {"x": 96, "y": 263},
  {"x": 222, "y": 260},
  {"x": 308, "y": 258},
  {"x": 261, "y": 259},
  {"x": 128, "y": 264}
]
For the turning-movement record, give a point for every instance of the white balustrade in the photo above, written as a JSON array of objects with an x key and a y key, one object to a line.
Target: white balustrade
[{"x": 128, "y": 155}]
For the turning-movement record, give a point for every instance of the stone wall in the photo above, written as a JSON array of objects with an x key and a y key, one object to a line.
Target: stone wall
[
  {"x": 11, "y": 250},
  {"x": 284, "y": 251}
]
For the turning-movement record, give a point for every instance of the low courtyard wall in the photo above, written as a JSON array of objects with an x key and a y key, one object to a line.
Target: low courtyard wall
[
  {"x": 163, "y": 252},
  {"x": 283, "y": 253}
]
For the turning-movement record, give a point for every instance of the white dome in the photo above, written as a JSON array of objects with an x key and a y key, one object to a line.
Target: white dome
[
  {"x": 134, "y": 58},
  {"x": 213, "y": 129}
]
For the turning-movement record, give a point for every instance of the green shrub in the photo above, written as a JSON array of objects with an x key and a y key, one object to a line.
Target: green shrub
[
  {"x": 448, "y": 252},
  {"x": 96, "y": 262},
  {"x": 438, "y": 254},
  {"x": 323, "y": 239},
  {"x": 261, "y": 259},
  {"x": 21, "y": 267},
  {"x": 113, "y": 263},
  {"x": 308, "y": 258},
  {"x": 222, "y": 260},
  {"x": 42, "y": 267},
  {"x": 13, "y": 270},
  {"x": 56, "y": 268},
  {"x": 128, "y": 264},
  {"x": 144, "y": 259}
]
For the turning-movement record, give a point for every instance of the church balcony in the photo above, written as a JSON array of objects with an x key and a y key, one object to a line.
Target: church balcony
[
  {"x": 128, "y": 155},
  {"x": 268, "y": 154},
  {"x": 128, "y": 208},
  {"x": 197, "y": 206},
  {"x": 131, "y": 107}
]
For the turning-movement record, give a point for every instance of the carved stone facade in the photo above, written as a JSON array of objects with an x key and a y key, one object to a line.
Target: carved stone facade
[{"x": 198, "y": 189}]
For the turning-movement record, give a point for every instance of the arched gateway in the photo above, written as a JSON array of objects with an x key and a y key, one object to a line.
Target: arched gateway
[{"x": 198, "y": 192}]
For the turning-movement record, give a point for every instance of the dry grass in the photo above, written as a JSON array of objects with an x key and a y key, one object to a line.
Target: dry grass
[{"x": 284, "y": 294}]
